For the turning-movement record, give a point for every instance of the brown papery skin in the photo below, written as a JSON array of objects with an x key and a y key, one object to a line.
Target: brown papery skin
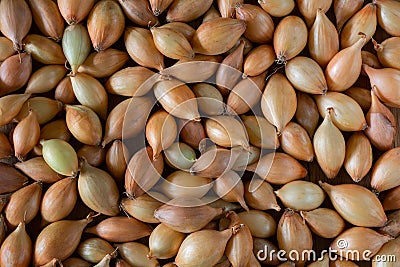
[
  {"x": 191, "y": 132},
  {"x": 45, "y": 109},
  {"x": 55, "y": 130},
  {"x": 246, "y": 94},
  {"x": 143, "y": 172},
  {"x": 309, "y": 8},
  {"x": 279, "y": 101},
  {"x": 143, "y": 207},
  {"x": 387, "y": 14},
  {"x": 59, "y": 200},
  {"x": 84, "y": 124},
  {"x": 360, "y": 239},
  {"x": 306, "y": 75},
  {"x": 16, "y": 249},
  {"x": 261, "y": 133},
  {"x": 257, "y": 199},
  {"x": 363, "y": 21},
  {"x": 211, "y": 13},
  {"x": 347, "y": 114},
  {"x": 13, "y": 29},
  {"x": 259, "y": 60},
  {"x": 106, "y": 23},
  {"x": 75, "y": 11},
  {"x": 98, "y": 190},
  {"x": 371, "y": 60},
  {"x": 177, "y": 99},
  {"x": 45, "y": 79},
  {"x": 392, "y": 199},
  {"x": 193, "y": 252},
  {"x": 6, "y": 48},
  {"x": 44, "y": 50},
  {"x": 230, "y": 188},
  {"x": 226, "y": 131},
  {"x": 184, "y": 28},
  {"x": 101, "y": 65},
  {"x": 259, "y": 244},
  {"x": 277, "y": 8},
  {"x": 115, "y": 128},
  {"x": 227, "y": 7},
  {"x": 387, "y": 51},
  {"x": 5, "y": 146},
  {"x": 91, "y": 93},
  {"x": 141, "y": 48},
  {"x": 159, "y": 6},
  {"x": 384, "y": 82},
  {"x": 37, "y": 169},
  {"x": 10, "y": 106},
  {"x": 329, "y": 146},
  {"x": 392, "y": 227},
  {"x": 240, "y": 246},
  {"x": 293, "y": 234},
  {"x": 324, "y": 222},
  {"x": 345, "y": 9},
  {"x": 116, "y": 160},
  {"x": 345, "y": 67},
  {"x": 161, "y": 130},
  {"x": 24, "y": 204},
  {"x": 382, "y": 126},
  {"x": 361, "y": 95},
  {"x": 64, "y": 91},
  {"x": 290, "y": 38},
  {"x": 323, "y": 39},
  {"x": 307, "y": 114},
  {"x": 217, "y": 36},
  {"x": 260, "y": 27},
  {"x": 75, "y": 262},
  {"x": 278, "y": 168},
  {"x": 95, "y": 155},
  {"x": 198, "y": 69},
  {"x": 229, "y": 71},
  {"x": 48, "y": 18},
  {"x": 187, "y": 10},
  {"x": 15, "y": 72},
  {"x": 385, "y": 172},
  {"x": 390, "y": 248},
  {"x": 171, "y": 43},
  {"x": 59, "y": 240},
  {"x": 11, "y": 179},
  {"x": 186, "y": 219},
  {"x": 296, "y": 142},
  {"x": 120, "y": 229},
  {"x": 132, "y": 81},
  {"x": 358, "y": 160},
  {"x": 139, "y": 12},
  {"x": 214, "y": 162},
  {"x": 347, "y": 198}
]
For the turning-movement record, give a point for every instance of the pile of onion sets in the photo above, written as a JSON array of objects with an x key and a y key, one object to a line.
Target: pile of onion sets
[{"x": 199, "y": 133}]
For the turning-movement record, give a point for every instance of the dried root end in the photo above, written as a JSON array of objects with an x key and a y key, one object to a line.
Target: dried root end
[
  {"x": 236, "y": 228},
  {"x": 281, "y": 59},
  {"x": 237, "y": 5},
  {"x": 72, "y": 21},
  {"x": 157, "y": 12}
]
